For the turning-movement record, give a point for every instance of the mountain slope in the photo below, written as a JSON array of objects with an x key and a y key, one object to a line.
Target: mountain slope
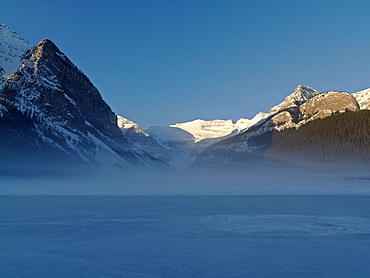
[
  {"x": 180, "y": 147},
  {"x": 142, "y": 140},
  {"x": 343, "y": 137},
  {"x": 13, "y": 50},
  {"x": 363, "y": 99}
]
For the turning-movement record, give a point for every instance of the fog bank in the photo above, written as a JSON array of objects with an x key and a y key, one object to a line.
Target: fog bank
[{"x": 252, "y": 180}]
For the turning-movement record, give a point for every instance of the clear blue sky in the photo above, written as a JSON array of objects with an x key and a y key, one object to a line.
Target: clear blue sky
[{"x": 161, "y": 62}]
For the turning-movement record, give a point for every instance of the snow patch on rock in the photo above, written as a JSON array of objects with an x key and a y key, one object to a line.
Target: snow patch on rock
[{"x": 13, "y": 50}]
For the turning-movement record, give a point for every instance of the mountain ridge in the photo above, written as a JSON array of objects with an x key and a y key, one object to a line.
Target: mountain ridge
[{"x": 256, "y": 141}]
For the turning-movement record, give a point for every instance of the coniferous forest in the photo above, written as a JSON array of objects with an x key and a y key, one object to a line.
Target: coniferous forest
[{"x": 342, "y": 137}]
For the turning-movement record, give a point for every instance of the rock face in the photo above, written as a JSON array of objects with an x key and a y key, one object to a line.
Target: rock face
[
  {"x": 318, "y": 107},
  {"x": 54, "y": 106},
  {"x": 327, "y": 104},
  {"x": 304, "y": 106}
]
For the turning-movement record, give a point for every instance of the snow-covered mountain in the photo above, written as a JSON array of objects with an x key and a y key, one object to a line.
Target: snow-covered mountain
[
  {"x": 13, "y": 50},
  {"x": 363, "y": 99},
  {"x": 128, "y": 126},
  {"x": 179, "y": 144},
  {"x": 143, "y": 141},
  {"x": 49, "y": 108},
  {"x": 296, "y": 111},
  {"x": 202, "y": 129},
  {"x": 300, "y": 95},
  {"x": 187, "y": 141}
]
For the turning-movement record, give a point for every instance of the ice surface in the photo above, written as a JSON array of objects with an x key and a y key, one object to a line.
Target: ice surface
[
  {"x": 249, "y": 222},
  {"x": 240, "y": 236}
]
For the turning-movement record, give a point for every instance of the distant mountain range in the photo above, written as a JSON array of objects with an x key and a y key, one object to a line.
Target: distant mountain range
[
  {"x": 308, "y": 127},
  {"x": 50, "y": 112}
]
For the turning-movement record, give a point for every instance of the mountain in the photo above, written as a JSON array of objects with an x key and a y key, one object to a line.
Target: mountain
[
  {"x": 299, "y": 96},
  {"x": 222, "y": 142},
  {"x": 363, "y": 99},
  {"x": 180, "y": 147},
  {"x": 342, "y": 137},
  {"x": 143, "y": 141},
  {"x": 128, "y": 127},
  {"x": 202, "y": 130},
  {"x": 13, "y": 49},
  {"x": 181, "y": 143},
  {"x": 50, "y": 111},
  {"x": 304, "y": 106}
]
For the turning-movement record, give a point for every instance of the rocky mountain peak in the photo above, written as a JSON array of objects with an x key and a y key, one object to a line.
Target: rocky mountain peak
[
  {"x": 46, "y": 49},
  {"x": 64, "y": 112},
  {"x": 299, "y": 96},
  {"x": 128, "y": 126}
]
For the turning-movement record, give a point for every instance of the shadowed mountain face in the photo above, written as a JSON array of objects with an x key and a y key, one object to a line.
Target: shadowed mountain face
[{"x": 50, "y": 106}]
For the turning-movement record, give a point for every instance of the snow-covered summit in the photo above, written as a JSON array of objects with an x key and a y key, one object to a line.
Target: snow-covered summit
[
  {"x": 202, "y": 129},
  {"x": 13, "y": 50},
  {"x": 165, "y": 134},
  {"x": 299, "y": 96},
  {"x": 243, "y": 124},
  {"x": 127, "y": 125},
  {"x": 363, "y": 99}
]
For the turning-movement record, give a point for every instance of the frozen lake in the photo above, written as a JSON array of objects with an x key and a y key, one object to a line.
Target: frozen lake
[{"x": 199, "y": 236}]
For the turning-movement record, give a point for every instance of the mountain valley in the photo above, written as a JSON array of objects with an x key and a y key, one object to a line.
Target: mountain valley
[{"x": 50, "y": 112}]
